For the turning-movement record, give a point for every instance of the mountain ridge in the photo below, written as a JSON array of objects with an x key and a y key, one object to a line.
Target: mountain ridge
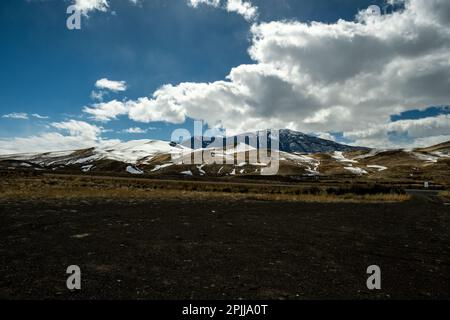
[
  {"x": 156, "y": 157},
  {"x": 289, "y": 141}
]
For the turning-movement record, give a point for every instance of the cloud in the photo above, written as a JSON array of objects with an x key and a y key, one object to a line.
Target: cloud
[
  {"x": 97, "y": 95},
  {"x": 243, "y": 8},
  {"x": 16, "y": 115},
  {"x": 79, "y": 135},
  {"x": 38, "y": 116},
  {"x": 106, "y": 111},
  {"x": 196, "y": 3},
  {"x": 44, "y": 143},
  {"x": 431, "y": 141},
  {"x": 135, "y": 130},
  {"x": 347, "y": 76},
  {"x": 86, "y": 6},
  {"x": 115, "y": 86},
  {"x": 79, "y": 128},
  {"x": 326, "y": 136},
  {"x": 417, "y": 132},
  {"x": 141, "y": 110},
  {"x": 23, "y": 116}
]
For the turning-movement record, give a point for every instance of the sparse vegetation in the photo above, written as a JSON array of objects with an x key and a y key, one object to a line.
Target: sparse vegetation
[
  {"x": 79, "y": 187},
  {"x": 445, "y": 195}
]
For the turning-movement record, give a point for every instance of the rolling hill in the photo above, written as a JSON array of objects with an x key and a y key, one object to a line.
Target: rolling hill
[{"x": 299, "y": 156}]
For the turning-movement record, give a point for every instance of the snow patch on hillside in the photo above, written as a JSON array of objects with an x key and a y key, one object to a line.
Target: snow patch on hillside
[
  {"x": 356, "y": 170},
  {"x": 87, "y": 168},
  {"x": 339, "y": 156},
  {"x": 159, "y": 167},
  {"x": 134, "y": 170},
  {"x": 379, "y": 168},
  {"x": 132, "y": 151},
  {"x": 426, "y": 157},
  {"x": 441, "y": 154}
]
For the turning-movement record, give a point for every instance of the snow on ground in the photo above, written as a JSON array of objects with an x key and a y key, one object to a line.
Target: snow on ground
[
  {"x": 339, "y": 156},
  {"x": 241, "y": 147},
  {"x": 233, "y": 173},
  {"x": 159, "y": 167},
  {"x": 50, "y": 155},
  {"x": 128, "y": 152},
  {"x": 134, "y": 170},
  {"x": 312, "y": 172},
  {"x": 369, "y": 154},
  {"x": 132, "y": 151},
  {"x": 40, "y": 158},
  {"x": 259, "y": 164},
  {"x": 356, "y": 170},
  {"x": 187, "y": 173},
  {"x": 84, "y": 160},
  {"x": 200, "y": 169},
  {"x": 312, "y": 165},
  {"x": 297, "y": 157},
  {"x": 81, "y": 236},
  {"x": 379, "y": 168},
  {"x": 86, "y": 168},
  {"x": 425, "y": 157},
  {"x": 25, "y": 165},
  {"x": 441, "y": 154}
]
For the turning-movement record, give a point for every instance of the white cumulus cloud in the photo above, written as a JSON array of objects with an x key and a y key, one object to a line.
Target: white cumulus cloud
[
  {"x": 115, "y": 86},
  {"x": 244, "y": 8},
  {"x": 79, "y": 128},
  {"x": 423, "y": 132},
  {"x": 347, "y": 76},
  {"x": 76, "y": 135},
  {"x": 86, "y": 6}
]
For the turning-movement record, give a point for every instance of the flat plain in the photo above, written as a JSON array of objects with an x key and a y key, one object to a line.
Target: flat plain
[{"x": 221, "y": 247}]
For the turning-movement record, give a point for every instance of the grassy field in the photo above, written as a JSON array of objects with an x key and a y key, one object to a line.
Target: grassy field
[
  {"x": 445, "y": 195},
  {"x": 79, "y": 187}
]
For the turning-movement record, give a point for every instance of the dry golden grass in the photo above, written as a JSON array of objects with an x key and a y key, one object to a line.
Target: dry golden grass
[
  {"x": 62, "y": 193},
  {"x": 331, "y": 198},
  {"x": 445, "y": 195},
  {"x": 82, "y": 188}
]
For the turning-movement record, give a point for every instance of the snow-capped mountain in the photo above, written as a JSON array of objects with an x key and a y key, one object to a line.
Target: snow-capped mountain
[
  {"x": 326, "y": 158},
  {"x": 289, "y": 141},
  {"x": 293, "y": 141},
  {"x": 131, "y": 152}
]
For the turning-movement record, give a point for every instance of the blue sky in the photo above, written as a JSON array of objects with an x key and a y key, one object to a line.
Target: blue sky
[{"x": 49, "y": 72}]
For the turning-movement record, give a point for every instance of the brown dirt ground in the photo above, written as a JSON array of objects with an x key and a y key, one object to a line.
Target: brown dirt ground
[{"x": 223, "y": 249}]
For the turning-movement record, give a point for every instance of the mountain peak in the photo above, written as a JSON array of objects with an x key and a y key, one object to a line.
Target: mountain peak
[{"x": 290, "y": 141}]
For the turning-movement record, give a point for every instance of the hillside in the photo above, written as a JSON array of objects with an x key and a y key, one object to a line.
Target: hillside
[{"x": 152, "y": 157}]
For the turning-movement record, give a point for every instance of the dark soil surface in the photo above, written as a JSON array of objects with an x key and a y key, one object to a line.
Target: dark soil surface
[{"x": 190, "y": 249}]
